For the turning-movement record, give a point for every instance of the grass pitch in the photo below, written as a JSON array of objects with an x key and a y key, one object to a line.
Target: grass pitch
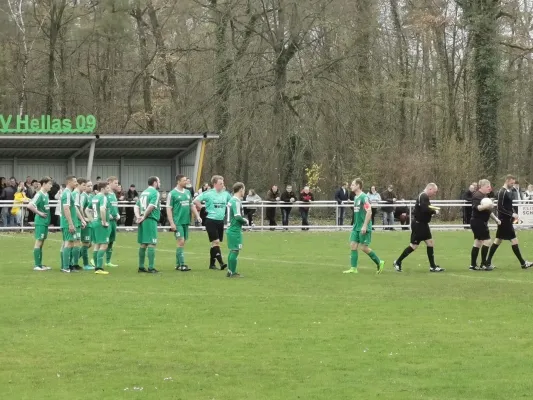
[{"x": 294, "y": 328}]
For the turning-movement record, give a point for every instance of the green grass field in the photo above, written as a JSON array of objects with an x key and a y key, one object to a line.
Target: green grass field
[{"x": 294, "y": 328}]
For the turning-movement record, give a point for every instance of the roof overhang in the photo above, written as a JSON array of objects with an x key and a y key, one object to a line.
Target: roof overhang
[{"x": 64, "y": 146}]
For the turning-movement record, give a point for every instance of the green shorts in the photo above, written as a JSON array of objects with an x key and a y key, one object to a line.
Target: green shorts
[
  {"x": 147, "y": 232},
  {"x": 365, "y": 239},
  {"x": 112, "y": 230},
  {"x": 234, "y": 240},
  {"x": 182, "y": 232},
  {"x": 86, "y": 234},
  {"x": 41, "y": 232},
  {"x": 70, "y": 237},
  {"x": 101, "y": 234}
]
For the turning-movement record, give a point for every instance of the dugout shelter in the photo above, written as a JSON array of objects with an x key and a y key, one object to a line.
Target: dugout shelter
[{"x": 132, "y": 157}]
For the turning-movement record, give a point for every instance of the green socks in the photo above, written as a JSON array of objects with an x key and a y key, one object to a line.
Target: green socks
[
  {"x": 95, "y": 257},
  {"x": 142, "y": 256},
  {"x": 354, "y": 258},
  {"x": 109, "y": 253},
  {"x": 37, "y": 257},
  {"x": 85, "y": 255},
  {"x": 151, "y": 257},
  {"x": 232, "y": 261},
  {"x": 374, "y": 257},
  {"x": 75, "y": 255},
  {"x": 100, "y": 259},
  {"x": 67, "y": 254},
  {"x": 180, "y": 258}
]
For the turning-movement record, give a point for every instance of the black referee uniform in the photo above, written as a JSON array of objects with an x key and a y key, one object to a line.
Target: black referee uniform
[
  {"x": 420, "y": 232},
  {"x": 506, "y": 230},
  {"x": 479, "y": 223}
]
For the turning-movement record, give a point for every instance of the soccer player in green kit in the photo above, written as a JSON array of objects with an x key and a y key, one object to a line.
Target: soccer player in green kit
[
  {"x": 68, "y": 222},
  {"x": 115, "y": 216},
  {"x": 361, "y": 235},
  {"x": 86, "y": 233},
  {"x": 148, "y": 212},
  {"x": 235, "y": 229},
  {"x": 80, "y": 223},
  {"x": 40, "y": 206},
  {"x": 100, "y": 226},
  {"x": 216, "y": 202},
  {"x": 179, "y": 214}
]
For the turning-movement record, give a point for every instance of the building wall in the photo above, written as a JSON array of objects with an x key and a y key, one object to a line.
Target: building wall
[
  {"x": 6, "y": 168},
  {"x": 137, "y": 172},
  {"x": 186, "y": 164},
  {"x": 57, "y": 169},
  {"x": 101, "y": 168}
]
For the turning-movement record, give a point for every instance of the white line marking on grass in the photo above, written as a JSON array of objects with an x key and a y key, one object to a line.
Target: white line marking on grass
[{"x": 492, "y": 279}]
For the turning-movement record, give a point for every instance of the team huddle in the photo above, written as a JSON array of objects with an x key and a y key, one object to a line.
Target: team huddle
[{"x": 90, "y": 219}]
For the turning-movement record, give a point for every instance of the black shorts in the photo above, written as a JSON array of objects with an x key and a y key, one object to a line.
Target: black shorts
[
  {"x": 214, "y": 229},
  {"x": 480, "y": 229},
  {"x": 420, "y": 232},
  {"x": 506, "y": 231}
]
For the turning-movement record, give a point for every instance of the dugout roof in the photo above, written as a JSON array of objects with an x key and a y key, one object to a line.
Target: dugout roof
[{"x": 109, "y": 145}]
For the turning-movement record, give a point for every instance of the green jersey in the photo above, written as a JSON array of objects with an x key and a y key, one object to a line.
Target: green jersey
[
  {"x": 180, "y": 203},
  {"x": 235, "y": 213},
  {"x": 41, "y": 202},
  {"x": 113, "y": 205},
  {"x": 360, "y": 206},
  {"x": 215, "y": 203},
  {"x": 99, "y": 202},
  {"x": 150, "y": 196},
  {"x": 68, "y": 199}
]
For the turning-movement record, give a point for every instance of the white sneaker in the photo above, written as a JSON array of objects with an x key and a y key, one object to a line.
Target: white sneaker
[
  {"x": 37, "y": 268},
  {"x": 45, "y": 268},
  {"x": 67, "y": 271}
]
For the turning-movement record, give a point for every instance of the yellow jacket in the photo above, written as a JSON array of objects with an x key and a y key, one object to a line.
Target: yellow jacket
[{"x": 20, "y": 197}]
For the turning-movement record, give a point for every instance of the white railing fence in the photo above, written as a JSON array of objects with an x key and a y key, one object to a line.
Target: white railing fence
[{"x": 325, "y": 212}]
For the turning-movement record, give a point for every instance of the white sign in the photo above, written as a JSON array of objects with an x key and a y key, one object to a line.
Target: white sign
[{"x": 525, "y": 213}]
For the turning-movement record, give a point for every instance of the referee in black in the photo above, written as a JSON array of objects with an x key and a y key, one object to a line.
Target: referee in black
[
  {"x": 506, "y": 230},
  {"x": 480, "y": 227},
  {"x": 420, "y": 231}
]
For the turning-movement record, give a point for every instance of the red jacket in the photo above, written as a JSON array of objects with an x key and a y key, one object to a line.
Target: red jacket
[{"x": 306, "y": 198}]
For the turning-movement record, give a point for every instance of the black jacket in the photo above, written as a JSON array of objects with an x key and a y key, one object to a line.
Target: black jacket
[
  {"x": 342, "y": 195},
  {"x": 286, "y": 198}
]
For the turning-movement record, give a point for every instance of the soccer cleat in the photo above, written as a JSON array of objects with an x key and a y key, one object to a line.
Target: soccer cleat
[
  {"x": 213, "y": 267},
  {"x": 75, "y": 268},
  {"x": 380, "y": 267},
  {"x": 223, "y": 267},
  {"x": 182, "y": 268},
  {"x": 233, "y": 275},
  {"x": 153, "y": 271},
  {"x": 109, "y": 265},
  {"x": 37, "y": 268},
  {"x": 436, "y": 269},
  {"x": 351, "y": 271},
  {"x": 142, "y": 270},
  {"x": 474, "y": 268},
  {"x": 101, "y": 272},
  {"x": 397, "y": 267},
  {"x": 489, "y": 267},
  {"x": 65, "y": 270},
  {"x": 45, "y": 268},
  {"x": 88, "y": 268},
  {"x": 527, "y": 265}
]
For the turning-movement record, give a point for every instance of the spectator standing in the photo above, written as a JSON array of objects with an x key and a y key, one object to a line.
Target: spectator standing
[
  {"x": 35, "y": 187},
  {"x": 306, "y": 197},
  {"x": 95, "y": 186},
  {"x": 52, "y": 195},
  {"x": 190, "y": 188},
  {"x": 163, "y": 217},
  {"x": 389, "y": 197},
  {"x": 288, "y": 197},
  {"x": 374, "y": 197},
  {"x": 528, "y": 195},
  {"x": 517, "y": 195},
  {"x": 341, "y": 195},
  {"x": 467, "y": 210},
  {"x": 273, "y": 197},
  {"x": 250, "y": 210},
  {"x": 8, "y": 194},
  {"x": 120, "y": 197},
  {"x": 131, "y": 197},
  {"x": 20, "y": 198}
]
